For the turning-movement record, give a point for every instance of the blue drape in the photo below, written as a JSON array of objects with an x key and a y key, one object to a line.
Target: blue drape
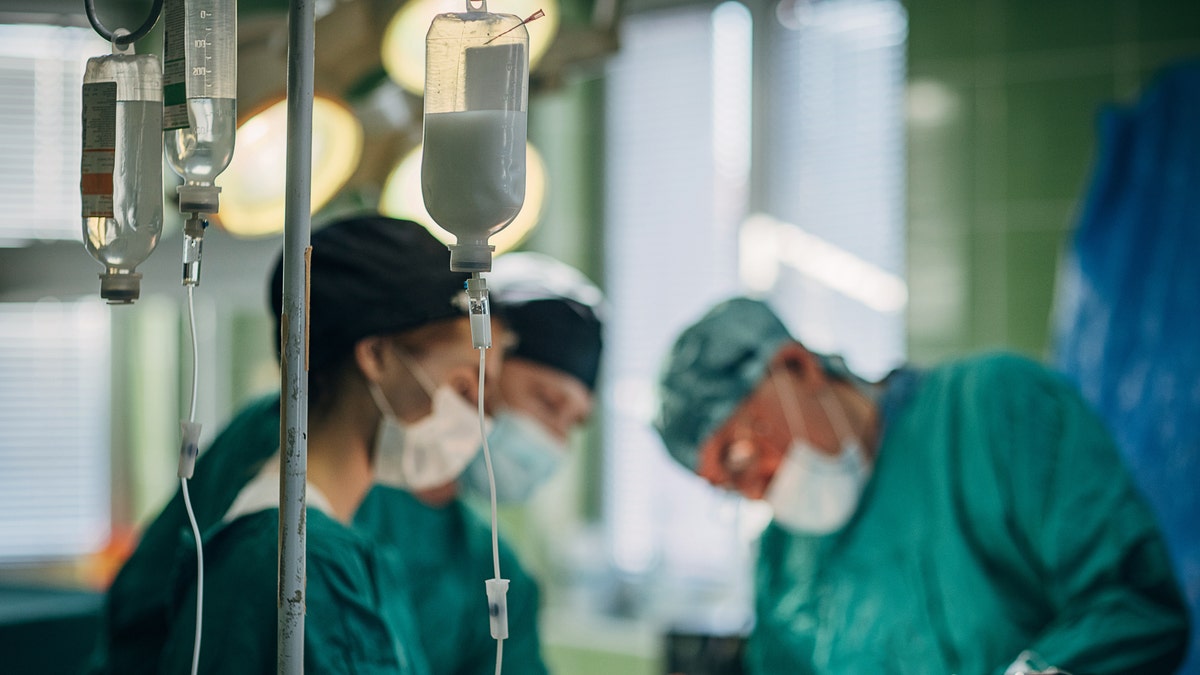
[{"x": 1127, "y": 319}]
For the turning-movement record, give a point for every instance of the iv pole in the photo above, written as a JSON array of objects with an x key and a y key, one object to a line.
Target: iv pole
[{"x": 293, "y": 440}]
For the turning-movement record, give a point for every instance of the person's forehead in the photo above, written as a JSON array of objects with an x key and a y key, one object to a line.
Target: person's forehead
[{"x": 543, "y": 374}]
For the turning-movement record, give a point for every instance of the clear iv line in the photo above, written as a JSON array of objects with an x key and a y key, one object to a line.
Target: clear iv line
[
  {"x": 183, "y": 483},
  {"x": 479, "y": 311},
  {"x": 199, "y": 575},
  {"x": 195, "y": 352},
  {"x": 487, "y": 459}
]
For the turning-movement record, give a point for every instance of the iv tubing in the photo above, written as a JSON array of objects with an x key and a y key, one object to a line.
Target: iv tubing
[
  {"x": 89, "y": 7},
  {"x": 487, "y": 459},
  {"x": 187, "y": 500},
  {"x": 293, "y": 442},
  {"x": 195, "y": 353}
]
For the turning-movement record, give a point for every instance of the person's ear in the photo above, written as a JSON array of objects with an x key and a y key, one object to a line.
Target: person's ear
[
  {"x": 802, "y": 364},
  {"x": 464, "y": 380},
  {"x": 371, "y": 357}
]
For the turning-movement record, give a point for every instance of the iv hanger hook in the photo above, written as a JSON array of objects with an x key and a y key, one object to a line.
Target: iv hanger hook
[
  {"x": 477, "y": 5},
  {"x": 89, "y": 7}
]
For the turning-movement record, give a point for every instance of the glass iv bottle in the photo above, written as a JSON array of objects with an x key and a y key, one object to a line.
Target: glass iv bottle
[
  {"x": 476, "y": 97},
  {"x": 121, "y": 169},
  {"x": 200, "y": 96}
]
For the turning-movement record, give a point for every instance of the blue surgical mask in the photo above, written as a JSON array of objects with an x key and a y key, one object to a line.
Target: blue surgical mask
[{"x": 524, "y": 456}]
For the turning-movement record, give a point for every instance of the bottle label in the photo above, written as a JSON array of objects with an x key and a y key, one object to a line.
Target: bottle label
[
  {"x": 175, "y": 114},
  {"x": 99, "y": 149}
]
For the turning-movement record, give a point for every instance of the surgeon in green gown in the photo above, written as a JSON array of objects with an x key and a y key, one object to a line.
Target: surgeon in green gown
[
  {"x": 972, "y": 518},
  {"x": 386, "y": 325},
  {"x": 440, "y": 544},
  {"x": 544, "y": 393}
]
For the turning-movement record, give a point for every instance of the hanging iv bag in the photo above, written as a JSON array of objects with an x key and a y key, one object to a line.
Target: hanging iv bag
[
  {"x": 199, "y": 96},
  {"x": 121, "y": 168},
  {"x": 476, "y": 97}
]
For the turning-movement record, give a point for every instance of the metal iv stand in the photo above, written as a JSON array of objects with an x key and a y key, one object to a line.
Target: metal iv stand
[{"x": 297, "y": 230}]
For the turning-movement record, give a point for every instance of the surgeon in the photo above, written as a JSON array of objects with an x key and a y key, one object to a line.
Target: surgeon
[
  {"x": 544, "y": 393},
  {"x": 443, "y": 546},
  {"x": 548, "y": 386},
  {"x": 390, "y": 364},
  {"x": 971, "y": 518}
]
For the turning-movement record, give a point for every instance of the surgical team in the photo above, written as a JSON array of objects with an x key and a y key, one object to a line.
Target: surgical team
[{"x": 970, "y": 518}]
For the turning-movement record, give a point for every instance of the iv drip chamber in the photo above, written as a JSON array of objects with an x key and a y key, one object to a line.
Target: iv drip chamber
[{"x": 476, "y": 101}]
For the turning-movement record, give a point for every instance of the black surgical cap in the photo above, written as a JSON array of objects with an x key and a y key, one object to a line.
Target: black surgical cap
[
  {"x": 372, "y": 275},
  {"x": 553, "y": 309}
]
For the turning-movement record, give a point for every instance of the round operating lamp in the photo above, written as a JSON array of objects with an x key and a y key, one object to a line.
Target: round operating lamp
[{"x": 253, "y": 188}]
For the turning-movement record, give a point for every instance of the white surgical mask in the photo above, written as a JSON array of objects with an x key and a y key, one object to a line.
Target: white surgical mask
[
  {"x": 432, "y": 451},
  {"x": 812, "y": 492},
  {"x": 524, "y": 456}
]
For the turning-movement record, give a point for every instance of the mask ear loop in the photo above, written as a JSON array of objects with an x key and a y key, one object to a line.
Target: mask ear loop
[
  {"x": 418, "y": 372},
  {"x": 791, "y": 408},
  {"x": 386, "y": 410},
  {"x": 381, "y": 401},
  {"x": 840, "y": 422}
]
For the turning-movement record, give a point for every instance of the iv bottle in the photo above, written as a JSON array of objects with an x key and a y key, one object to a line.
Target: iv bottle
[
  {"x": 199, "y": 96},
  {"x": 476, "y": 100},
  {"x": 121, "y": 168}
]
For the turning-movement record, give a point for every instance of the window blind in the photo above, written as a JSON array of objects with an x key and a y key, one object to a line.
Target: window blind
[
  {"x": 41, "y": 73},
  {"x": 54, "y": 429}
]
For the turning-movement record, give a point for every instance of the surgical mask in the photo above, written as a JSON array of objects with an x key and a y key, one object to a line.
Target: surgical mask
[
  {"x": 811, "y": 492},
  {"x": 432, "y": 451},
  {"x": 524, "y": 456}
]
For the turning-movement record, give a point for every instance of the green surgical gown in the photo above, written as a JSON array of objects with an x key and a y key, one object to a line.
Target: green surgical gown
[
  {"x": 138, "y": 604},
  {"x": 353, "y": 622},
  {"x": 448, "y": 552},
  {"x": 441, "y": 550},
  {"x": 999, "y": 518}
]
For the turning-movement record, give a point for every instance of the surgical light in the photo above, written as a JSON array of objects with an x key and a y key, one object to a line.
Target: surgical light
[{"x": 254, "y": 184}]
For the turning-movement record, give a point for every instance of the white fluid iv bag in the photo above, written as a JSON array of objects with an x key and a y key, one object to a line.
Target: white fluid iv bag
[
  {"x": 476, "y": 100},
  {"x": 121, "y": 167}
]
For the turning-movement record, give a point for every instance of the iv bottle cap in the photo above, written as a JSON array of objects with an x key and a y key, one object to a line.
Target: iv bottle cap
[
  {"x": 119, "y": 287},
  {"x": 471, "y": 257},
  {"x": 198, "y": 198}
]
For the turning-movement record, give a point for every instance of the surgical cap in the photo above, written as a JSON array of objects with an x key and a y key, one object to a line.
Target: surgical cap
[
  {"x": 712, "y": 367},
  {"x": 554, "y": 310},
  {"x": 372, "y": 275}
]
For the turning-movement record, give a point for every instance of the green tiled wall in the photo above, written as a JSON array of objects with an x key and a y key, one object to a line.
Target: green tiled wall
[{"x": 1003, "y": 100}]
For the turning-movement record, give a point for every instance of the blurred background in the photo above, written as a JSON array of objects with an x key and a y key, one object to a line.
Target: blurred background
[{"x": 905, "y": 180}]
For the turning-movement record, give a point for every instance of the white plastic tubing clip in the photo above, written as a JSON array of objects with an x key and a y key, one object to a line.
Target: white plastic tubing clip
[
  {"x": 497, "y": 593},
  {"x": 189, "y": 448}
]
